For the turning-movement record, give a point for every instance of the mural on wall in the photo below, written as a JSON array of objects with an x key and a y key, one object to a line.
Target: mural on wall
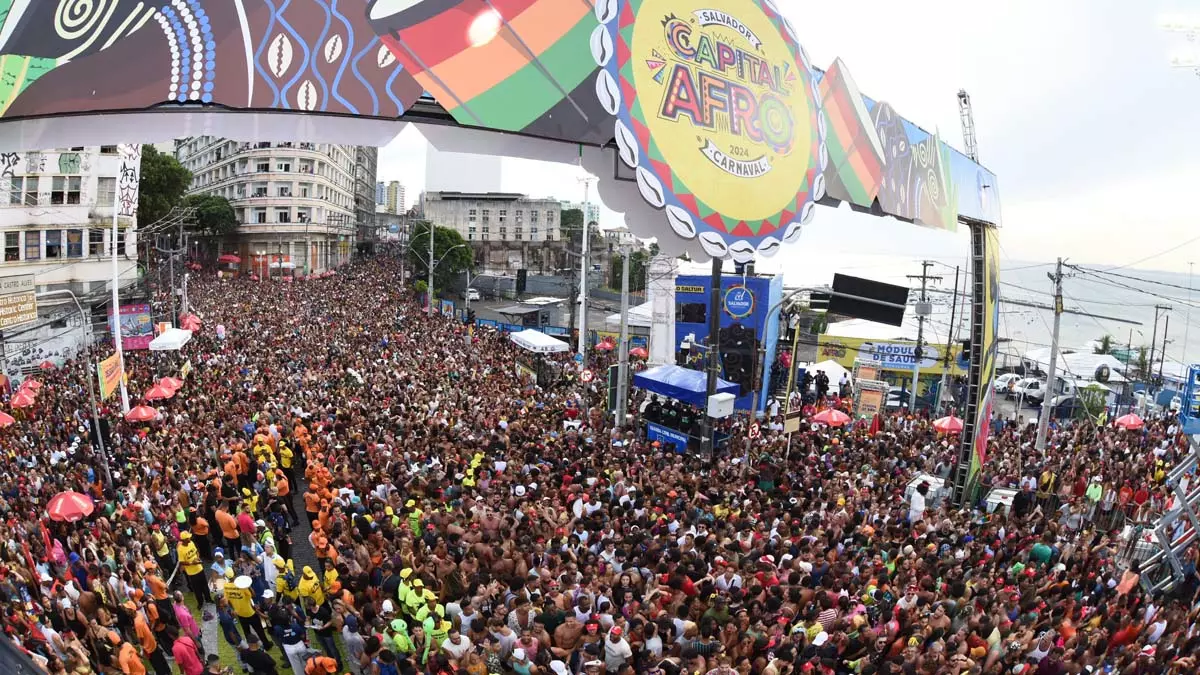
[
  {"x": 69, "y": 162},
  {"x": 733, "y": 135},
  {"x": 128, "y": 178}
]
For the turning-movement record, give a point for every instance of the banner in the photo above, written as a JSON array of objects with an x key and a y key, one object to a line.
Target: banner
[
  {"x": 137, "y": 328},
  {"x": 185, "y": 369},
  {"x": 668, "y": 437},
  {"x": 985, "y": 258},
  {"x": 108, "y": 372},
  {"x": 887, "y": 355},
  {"x": 18, "y": 301}
]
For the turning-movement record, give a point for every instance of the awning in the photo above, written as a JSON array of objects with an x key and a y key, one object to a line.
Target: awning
[
  {"x": 539, "y": 342},
  {"x": 681, "y": 384},
  {"x": 640, "y": 316},
  {"x": 229, "y": 258},
  {"x": 517, "y": 310},
  {"x": 172, "y": 339}
]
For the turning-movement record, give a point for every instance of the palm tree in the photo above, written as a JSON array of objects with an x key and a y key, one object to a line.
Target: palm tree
[{"x": 1104, "y": 346}]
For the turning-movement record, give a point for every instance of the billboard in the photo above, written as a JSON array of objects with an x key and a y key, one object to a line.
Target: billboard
[
  {"x": 888, "y": 355},
  {"x": 18, "y": 301},
  {"x": 745, "y": 328},
  {"x": 137, "y": 328},
  {"x": 728, "y": 135}
]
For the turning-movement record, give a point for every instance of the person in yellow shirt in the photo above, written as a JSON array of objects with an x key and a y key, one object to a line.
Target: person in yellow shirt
[
  {"x": 189, "y": 559},
  {"x": 286, "y": 582},
  {"x": 310, "y": 586},
  {"x": 241, "y": 599}
]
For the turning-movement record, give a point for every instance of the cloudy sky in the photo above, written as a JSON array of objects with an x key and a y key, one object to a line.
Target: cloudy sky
[{"x": 1092, "y": 132}]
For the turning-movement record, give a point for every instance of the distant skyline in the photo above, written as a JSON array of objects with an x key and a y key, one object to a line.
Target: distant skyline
[{"x": 1094, "y": 145}]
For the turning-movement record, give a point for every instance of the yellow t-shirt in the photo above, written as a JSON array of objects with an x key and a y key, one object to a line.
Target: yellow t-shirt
[{"x": 241, "y": 599}]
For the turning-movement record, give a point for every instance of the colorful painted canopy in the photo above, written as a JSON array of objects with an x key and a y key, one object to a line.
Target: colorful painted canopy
[{"x": 948, "y": 425}]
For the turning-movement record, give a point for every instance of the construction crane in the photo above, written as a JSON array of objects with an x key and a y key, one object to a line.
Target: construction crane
[{"x": 968, "y": 125}]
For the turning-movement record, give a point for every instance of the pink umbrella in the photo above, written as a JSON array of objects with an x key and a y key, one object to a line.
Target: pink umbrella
[
  {"x": 47, "y": 365},
  {"x": 831, "y": 417},
  {"x": 22, "y": 399},
  {"x": 948, "y": 425},
  {"x": 158, "y": 391},
  {"x": 605, "y": 346},
  {"x": 189, "y": 322},
  {"x": 1130, "y": 421},
  {"x": 31, "y": 385},
  {"x": 638, "y": 353},
  {"x": 70, "y": 506},
  {"x": 171, "y": 383},
  {"x": 141, "y": 413},
  {"x": 6, "y": 420}
]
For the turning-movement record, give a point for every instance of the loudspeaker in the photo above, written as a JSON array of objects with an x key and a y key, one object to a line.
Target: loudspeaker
[{"x": 522, "y": 279}]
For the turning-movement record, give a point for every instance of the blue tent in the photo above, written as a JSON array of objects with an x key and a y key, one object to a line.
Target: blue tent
[{"x": 681, "y": 384}]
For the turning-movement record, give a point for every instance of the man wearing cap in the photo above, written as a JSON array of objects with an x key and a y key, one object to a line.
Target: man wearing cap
[
  {"x": 189, "y": 559},
  {"x": 241, "y": 599},
  {"x": 258, "y": 660},
  {"x": 320, "y": 665},
  {"x": 616, "y": 650}
]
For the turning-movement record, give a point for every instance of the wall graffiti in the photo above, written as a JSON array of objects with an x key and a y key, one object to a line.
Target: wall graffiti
[
  {"x": 127, "y": 179},
  {"x": 8, "y": 164},
  {"x": 69, "y": 162},
  {"x": 35, "y": 162}
]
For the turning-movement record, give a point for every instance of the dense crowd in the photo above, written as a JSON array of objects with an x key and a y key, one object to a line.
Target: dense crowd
[{"x": 454, "y": 524}]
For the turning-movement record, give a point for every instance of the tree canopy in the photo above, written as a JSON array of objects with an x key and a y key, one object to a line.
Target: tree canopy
[
  {"x": 214, "y": 215},
  {"x": 453, "y": 252},
  {"x": 162, "y": 185}
]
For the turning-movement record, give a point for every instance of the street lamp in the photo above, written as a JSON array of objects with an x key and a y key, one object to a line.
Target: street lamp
[{"x": 433, "y": 265}]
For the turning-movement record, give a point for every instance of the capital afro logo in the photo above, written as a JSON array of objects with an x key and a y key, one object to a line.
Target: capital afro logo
[{"x": 719, "y": 114}]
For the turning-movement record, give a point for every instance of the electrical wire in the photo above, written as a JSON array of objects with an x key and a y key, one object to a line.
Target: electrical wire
[
  {"x": 1132, "y": 278},
  {"x": 1156, "y": 255}
]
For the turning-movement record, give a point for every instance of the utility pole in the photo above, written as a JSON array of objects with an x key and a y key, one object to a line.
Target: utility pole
[
  {"x": 714, "y": 358},
  {"x": 583, "y": 263},
  {"x": 623, "y": 354},
  {"x": 1161, "y": 361},
  {"x": 923, "y": 310},
  {"x": 429, "y": 290},
  {"x": 1051, "y": 377},
  {"x": 1149, "y": 374}
]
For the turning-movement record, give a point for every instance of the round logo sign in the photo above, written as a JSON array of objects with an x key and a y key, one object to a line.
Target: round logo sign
[
  {"x": 586, "y": 376},
  {"x": 739, "y": 302},
  {"x": 718, "y": 112}
]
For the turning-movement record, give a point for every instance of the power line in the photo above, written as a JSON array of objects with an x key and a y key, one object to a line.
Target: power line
[
  {"x": 1156, "y": 255},
  {"x": 1132, "y": 278},
  {"x": 1117, "y": 284}
]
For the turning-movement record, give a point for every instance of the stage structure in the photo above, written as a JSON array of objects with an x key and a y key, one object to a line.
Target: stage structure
[{"x": 707, "y": 124}]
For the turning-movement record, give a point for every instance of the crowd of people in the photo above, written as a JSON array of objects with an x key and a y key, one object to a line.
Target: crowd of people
[{"x": 453, "y": 524}]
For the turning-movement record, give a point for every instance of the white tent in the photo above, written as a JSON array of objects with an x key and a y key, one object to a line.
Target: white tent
[
  {"x": 172, "y": 339},
  {"x": 538, "y": 342},
  {"x": 833, "y": 370},
  {"x": 639, "y": 317}
]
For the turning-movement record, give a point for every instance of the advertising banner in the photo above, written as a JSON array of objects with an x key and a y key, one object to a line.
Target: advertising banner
[
  {"x": 870, "y": 398},
  {"x": 667, "y": 436},
  {"x": 109, "y": 373},
  {"x": 137, "y": 328},
  {"x": 18, "y": 301},
  {"x": 447, "y": 308},
  {"x": 985, "y": 242},
  {"x": 884, "y": 355}
]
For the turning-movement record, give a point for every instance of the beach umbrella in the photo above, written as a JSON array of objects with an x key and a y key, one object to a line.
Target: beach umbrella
[
  {"x": 141, "y": 413},
  {"x": 1130, "y": 421},
  {"x": 6, "y": 420},
  {"x": 31, "y": 385},
  {"x": 948, "y": 425},
  {"x": 638, "y": 353},
  {"x": 69, "y": 507},
  {"x": 831, "y": 417},
  {"x": 189, "y": 322},
  {"x": 22, "y": 399},
  {"x": 47, "y": 365},
  {"x": 172, "y": 383},
  {"x": 158, "y": 391},
  {"x": 605, "y": 345}
]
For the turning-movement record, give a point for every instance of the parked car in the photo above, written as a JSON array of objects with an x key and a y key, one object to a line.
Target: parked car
[
  {"x": 1003, "y": 383},
  {"x": 1030, "y": 389},
  {"x": 473, "y": 295}
]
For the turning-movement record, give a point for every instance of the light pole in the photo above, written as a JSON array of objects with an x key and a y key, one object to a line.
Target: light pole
[
  {"x": 432, "y": 265},
  {"x": 87, "y": 323}
]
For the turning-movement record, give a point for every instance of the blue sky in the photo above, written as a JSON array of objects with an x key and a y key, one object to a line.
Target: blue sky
[{"x": 1091, "y": 131}]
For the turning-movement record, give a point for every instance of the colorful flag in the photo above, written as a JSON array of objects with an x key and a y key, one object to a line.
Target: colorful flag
[
  {"x": 185, "y": 369},
  {"x": 108, "y": 372}
]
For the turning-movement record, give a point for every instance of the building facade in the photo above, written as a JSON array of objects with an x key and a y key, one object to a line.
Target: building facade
[
  {"x": 56, "y": 218},
  {"x": 508, "y": 231},
  {"x": 366, "y": 169},
  {"x": 295, "y": 201}
]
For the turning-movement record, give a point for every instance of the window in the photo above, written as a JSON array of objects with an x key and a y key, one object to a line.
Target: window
[
  {"x": 32, "y": 187},
  {"x": 53, "y": 244},
  {"x": 304, "y": 215},
  {"x": 485, "y": 229},
  {"x": 264, "y": 167},
  {"x": 533, "y": 230},
  {"x": 16, "y": 193},
  {"x": 691, "y": 312},
  {"x": 77, "y": 149},
  {"x": 74, "y": 243},
  {"x": 12, "y": 246},
  {"x": 65, "y": 189},
  {"x": 283, "y": 166},
  {"x": 106, "y": 191},
  {"x": 33, "y": 245},
  {"x": 518, "y": 236},
  {"x": 284, "y": 191},
  {"x": 108, "y": 149},
  {"x": 549, "y": 216},
  {"x": 283, "y": 215},
  {"x": 503, "y": 215},
  {"x": 471, "y": 229},
  {"x": 260, "y": 215},
  {"x": 305, "y": 190},
  {"x": 486, "y": 215},
  {"x": 95, "y": 243},
  {"x": 121, "y": 241}
]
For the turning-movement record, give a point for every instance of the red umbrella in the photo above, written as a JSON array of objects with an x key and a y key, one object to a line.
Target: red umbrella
[
  {"x": 141, "y": 413},
  {"x": 189, "y": 322},
  {"x": 831, "y": 417},
  {"x": 31, "y": 385},
  {"x": 47, "y": 365},
  {"x": 22, "y": 399},
  {"x": 171, "y": 383},
  {"x": 158, "y": 391},
  {"x": 6, "y": 420},
  {"x": 638, "y": 353},
  {"x": 605, "y": 346},
  {"x": 948, "y": 425},
  {"x": 69, "y": 506},
  {"x": 1130, "y": 421},
  {"x": 229, "y": 258}
]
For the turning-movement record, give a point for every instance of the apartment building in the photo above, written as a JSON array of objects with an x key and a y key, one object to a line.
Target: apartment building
[{"x": 495, "y": 216}]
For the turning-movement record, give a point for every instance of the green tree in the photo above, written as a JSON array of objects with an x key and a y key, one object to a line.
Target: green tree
[
  {"x": 1143, "y": 361},
  {"x": 639, "y": 263},
  {"x": 454, "y": 253},
  {"x": 162, "y": 185},
  {"x": 1105, "y": 345},
  {"x": 654, "y": 250},
  {"x": 214, "y": 215},
  {"x": 1092, "y": 400},
  {"x": 571, "y": 220}
]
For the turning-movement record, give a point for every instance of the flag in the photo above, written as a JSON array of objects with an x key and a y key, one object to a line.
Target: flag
[
  {"x": 108, "y": 372},
  {"x": 185, "y": 369}
]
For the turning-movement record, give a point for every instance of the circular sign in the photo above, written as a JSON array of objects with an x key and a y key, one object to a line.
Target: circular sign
[
  {"x": 586, "y": 376},
  {"x": 755, "y": 430},
  {"x": 718, "y": 112},
  {"x": 739, "y": 302}
]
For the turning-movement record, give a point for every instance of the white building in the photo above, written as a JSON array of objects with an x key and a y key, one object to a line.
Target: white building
[
  {"x": 289, "y": 197},
  {"x": 56, "y": 217},
  {"x": 495, "y": 216}
]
